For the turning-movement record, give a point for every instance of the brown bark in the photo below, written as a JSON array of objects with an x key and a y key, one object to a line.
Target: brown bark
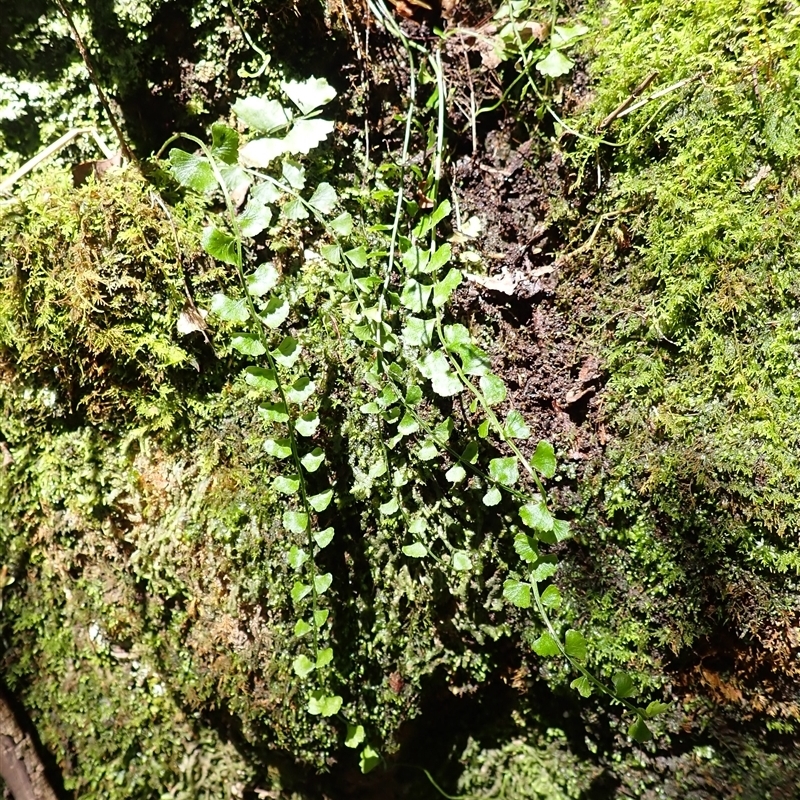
[{"x": 20, "y": 765}]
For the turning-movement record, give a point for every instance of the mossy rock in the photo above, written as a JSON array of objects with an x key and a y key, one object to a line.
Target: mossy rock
[
  {"x": 138, "y": 519},
  {"x": 688, "y": 524}
]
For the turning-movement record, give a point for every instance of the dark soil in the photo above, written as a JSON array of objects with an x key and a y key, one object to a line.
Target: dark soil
[{"x": 554, "y": 376}]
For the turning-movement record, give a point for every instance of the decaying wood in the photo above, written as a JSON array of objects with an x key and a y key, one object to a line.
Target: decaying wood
[{"x": 20, "y": 765}]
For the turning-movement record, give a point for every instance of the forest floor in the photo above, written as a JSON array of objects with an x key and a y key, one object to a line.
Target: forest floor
[{"x": 629, "y": 270}]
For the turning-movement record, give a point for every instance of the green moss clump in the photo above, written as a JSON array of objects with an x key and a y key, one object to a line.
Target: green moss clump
[
  {"x": 693, "y": 514},
  {"x": 91, "y": 290},
  {"x": 525, "y": 768}
]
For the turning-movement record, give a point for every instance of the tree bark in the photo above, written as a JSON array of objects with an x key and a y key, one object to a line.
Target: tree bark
[{"x": 20, "y": 765}]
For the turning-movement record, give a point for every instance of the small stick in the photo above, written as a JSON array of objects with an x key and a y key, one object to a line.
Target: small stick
[
  {"x": 473, "y": 117},
  {"x": 48, "y": 151},
  {"x": 621, "y": 108},
  {"x": 190, "y": 310},
  {"x": 123, "y": 144},
  {"x": 158, "y": 199},
  {"x": 563, "y": 259},
  {"x": 656, "y": 95}
]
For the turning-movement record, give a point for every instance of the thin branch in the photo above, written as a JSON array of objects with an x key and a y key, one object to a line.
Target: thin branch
[
  {"x": 628, "y": 106},
  {"x": 123, "y": 144},
  {"x": 50, "y": 150},
  {"x": 625, "y": 104},
  {"x": 660, "y": 93},
  {"x": 587, "y": 245}
]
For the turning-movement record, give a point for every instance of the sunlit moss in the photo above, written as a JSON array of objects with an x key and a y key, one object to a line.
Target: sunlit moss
[{"x": 696, "y": 507}]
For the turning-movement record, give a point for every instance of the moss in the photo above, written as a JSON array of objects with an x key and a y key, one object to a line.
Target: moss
[
  {"x": 688, "y": 562},
  {"x": 90, "y": 294},
  {"x": 80, "y": 652},
  {"x": 526, "y": 767},
  {"x": 135, "y": 519},
  {"x": 104, "y": 709}
]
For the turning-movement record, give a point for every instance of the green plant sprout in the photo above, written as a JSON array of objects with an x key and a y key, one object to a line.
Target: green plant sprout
[{"x": 519, "y": 33}]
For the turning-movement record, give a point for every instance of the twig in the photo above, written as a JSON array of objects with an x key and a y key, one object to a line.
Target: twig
[
  {"x": 587, "y": 245},
  {"x": 473, "y": 106},
  {"x": 190, "y": 310},
  {"x": 625, "y": 104},
  {"x": 123, "y": 144},
  {"x": 50, "y": 150},
  {"x": 660, "y": 93},
  {"x": 13, "y": 771}
]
